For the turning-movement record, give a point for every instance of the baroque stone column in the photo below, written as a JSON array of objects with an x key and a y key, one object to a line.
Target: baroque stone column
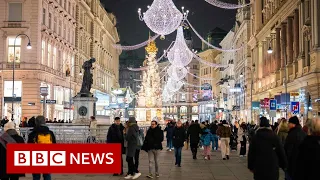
[
  {"x": 296, "y": 34},
  {"x": 258, "y": 14},
  {"x": 283, "y": 43},
  {"x": 290, "y": 40},
  {"x": 278, "y": 49}
]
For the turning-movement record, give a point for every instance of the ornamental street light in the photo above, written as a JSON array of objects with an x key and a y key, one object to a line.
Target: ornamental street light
[{"x": 13, "y": 70}]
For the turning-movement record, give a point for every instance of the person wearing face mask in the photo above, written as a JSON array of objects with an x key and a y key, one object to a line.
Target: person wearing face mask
[{"x": 115, "y": 135}]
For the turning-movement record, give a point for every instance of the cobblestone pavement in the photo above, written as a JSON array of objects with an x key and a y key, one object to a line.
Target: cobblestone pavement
[{"x": 200, "y": 169}]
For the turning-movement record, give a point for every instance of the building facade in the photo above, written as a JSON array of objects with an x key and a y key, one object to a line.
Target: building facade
[
  {"x": 226, "y": 98},
  {"x": 289, "y": 73},
  {"x": 63, "y": 34},
  {"x": 242, "y": 66}
]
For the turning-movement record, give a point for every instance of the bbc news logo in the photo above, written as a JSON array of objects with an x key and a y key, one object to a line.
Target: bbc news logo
[{"x": 64, "y": 158}]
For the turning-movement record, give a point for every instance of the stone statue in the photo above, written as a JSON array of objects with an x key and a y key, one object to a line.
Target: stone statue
[{"x": 87, "y": 76}]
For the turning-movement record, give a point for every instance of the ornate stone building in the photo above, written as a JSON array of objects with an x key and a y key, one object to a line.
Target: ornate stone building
[
  {"x": 291, "y": 29},
  {"x": 63, "y": 34},
  {"x": 242, "y": 65}
]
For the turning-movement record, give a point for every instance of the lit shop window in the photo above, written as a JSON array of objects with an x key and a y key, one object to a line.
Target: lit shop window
[{"x": 11, "y": 49}]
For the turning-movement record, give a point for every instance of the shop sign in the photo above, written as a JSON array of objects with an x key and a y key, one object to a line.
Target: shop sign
[
  {"x": 44, "y": 91},
  {"x": 294, "y": 94},
  {"x": 273, "y": 104},
  {"x": 295, "y": 107},
  {"x": 8, "y": 88},
  {"x": 48, "y": 101},
  {"x": 236, "y": 108}
]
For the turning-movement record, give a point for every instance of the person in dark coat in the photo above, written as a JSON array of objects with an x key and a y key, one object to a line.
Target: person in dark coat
[
  {"x": 131, "y": 138},
  {"x": 213, "y": 130},
  {"x": 115, "y": 135},
  {"x": 179, "y": 136},
  {"x": 266, "y": 154},
  {"x": 153, "y": 145},
  {"x": 169, "y": 135},
  {"x": 308, "y": 159},
  {"x": 9, "y": 136},
  {"x": 292, "y": 143},
  {"x": 193, "y": 134}
]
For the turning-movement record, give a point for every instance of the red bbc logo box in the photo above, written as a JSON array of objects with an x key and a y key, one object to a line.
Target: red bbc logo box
[{"x": 64, "y": 158}]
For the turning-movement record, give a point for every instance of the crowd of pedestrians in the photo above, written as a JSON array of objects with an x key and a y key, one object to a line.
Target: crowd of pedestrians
[{"x": 284, "y": 145}]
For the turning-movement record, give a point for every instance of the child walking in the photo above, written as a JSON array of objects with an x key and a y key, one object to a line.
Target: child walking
[{"x": 206, "y": 139}]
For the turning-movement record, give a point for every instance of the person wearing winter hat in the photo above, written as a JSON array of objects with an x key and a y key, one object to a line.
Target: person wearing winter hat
[
  {"x": 266, "y": 154},
  {"x": 131, "y": 137},
  {"x": 9, "y": 136},
  {"x": 224, "y": 132},
  {"x": 295, "y": 137}
]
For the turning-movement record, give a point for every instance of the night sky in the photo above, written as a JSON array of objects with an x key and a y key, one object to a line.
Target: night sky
[{"x": 203, "y": 16}]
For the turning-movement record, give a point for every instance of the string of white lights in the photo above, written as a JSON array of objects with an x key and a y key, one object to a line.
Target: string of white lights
[
  {"x": 210, "y": 45},
  {"x": 190, "y": 84},
  {"x": 196, "y": 57},
  {"x": 209, "y": 79},
  {"x": 137, "y": 69},
  {"x": 226, "y": 5},
  {"x": 134, "y": 47}
]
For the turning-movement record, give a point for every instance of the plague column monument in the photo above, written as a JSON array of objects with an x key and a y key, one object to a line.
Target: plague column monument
[{"x": 149, "y": 97}]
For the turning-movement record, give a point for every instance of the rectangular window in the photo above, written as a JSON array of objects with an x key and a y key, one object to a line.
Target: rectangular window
[
  {"x": 49, "y": 54},
  {"x": 12, "y": 52},
  {"x": 50, "y": 20},
  {"x": 64, "y": 30},
  {"x": 59, "y": 28},
  {"x": 55, "y": 24},
  {"x": 43, "y": 51},
  {"x": 61, "y": 1},
  {"x": 15, "y": 12},
  {"x": 69, "y": 7},
  {"x": 65, "y": 4},
  {"x": 54, "y": 58},
  {"x": 44, "y": 16}
]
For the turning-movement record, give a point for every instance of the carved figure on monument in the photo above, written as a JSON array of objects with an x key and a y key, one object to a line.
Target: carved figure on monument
[{"x": 87, "y": 76}]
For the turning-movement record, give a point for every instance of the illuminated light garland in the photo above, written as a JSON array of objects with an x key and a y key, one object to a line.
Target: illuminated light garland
[
  {"x": 210, "y": 45},
  {"x": 174, "y": 85},
  {"x": 177, "y": 73},
  {"x": 162, "y": 17},
  {"x": 134, "y": 47},
  {"x": 226, "y": 5},
  {"x": 209, "y": 79},
  {"x": 137, "y": 69},
  {"x": 191, "y": 84},
  {"x": 180, "y": 55},
  {"x": 196, "y": 57}
]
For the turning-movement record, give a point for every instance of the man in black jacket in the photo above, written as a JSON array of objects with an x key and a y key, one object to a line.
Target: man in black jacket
[
  {"x": 41, "y": 130},
  {"x": 291, "y": 146},
  {"x": 153, "y": 140},
  {"x": 194, "y": 132},
  {"x": 115, "y": 135},
  {"x": 213, "y": 130}
]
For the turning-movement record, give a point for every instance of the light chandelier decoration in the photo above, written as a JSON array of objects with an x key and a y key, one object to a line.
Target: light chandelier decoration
[
  {"x": 180, "y": 55},
  {"x": 174, "y": 85},
  {"x": 137, "y": 46},
  {"x": 177, "y": 73},
  {"x": 224, "y": 5},
  {"x": 162, "y": 17}
]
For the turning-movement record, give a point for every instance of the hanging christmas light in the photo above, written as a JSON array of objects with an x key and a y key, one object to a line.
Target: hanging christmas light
[
  {"x": 174, "y": 85},
  {"x": 134, "y": 47},
  {"x": 177, "y": 73},
  {"x": 162, "y": 17},
  {"x": 180, "y": 55},
  {"x": 224, "y": 5}
]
